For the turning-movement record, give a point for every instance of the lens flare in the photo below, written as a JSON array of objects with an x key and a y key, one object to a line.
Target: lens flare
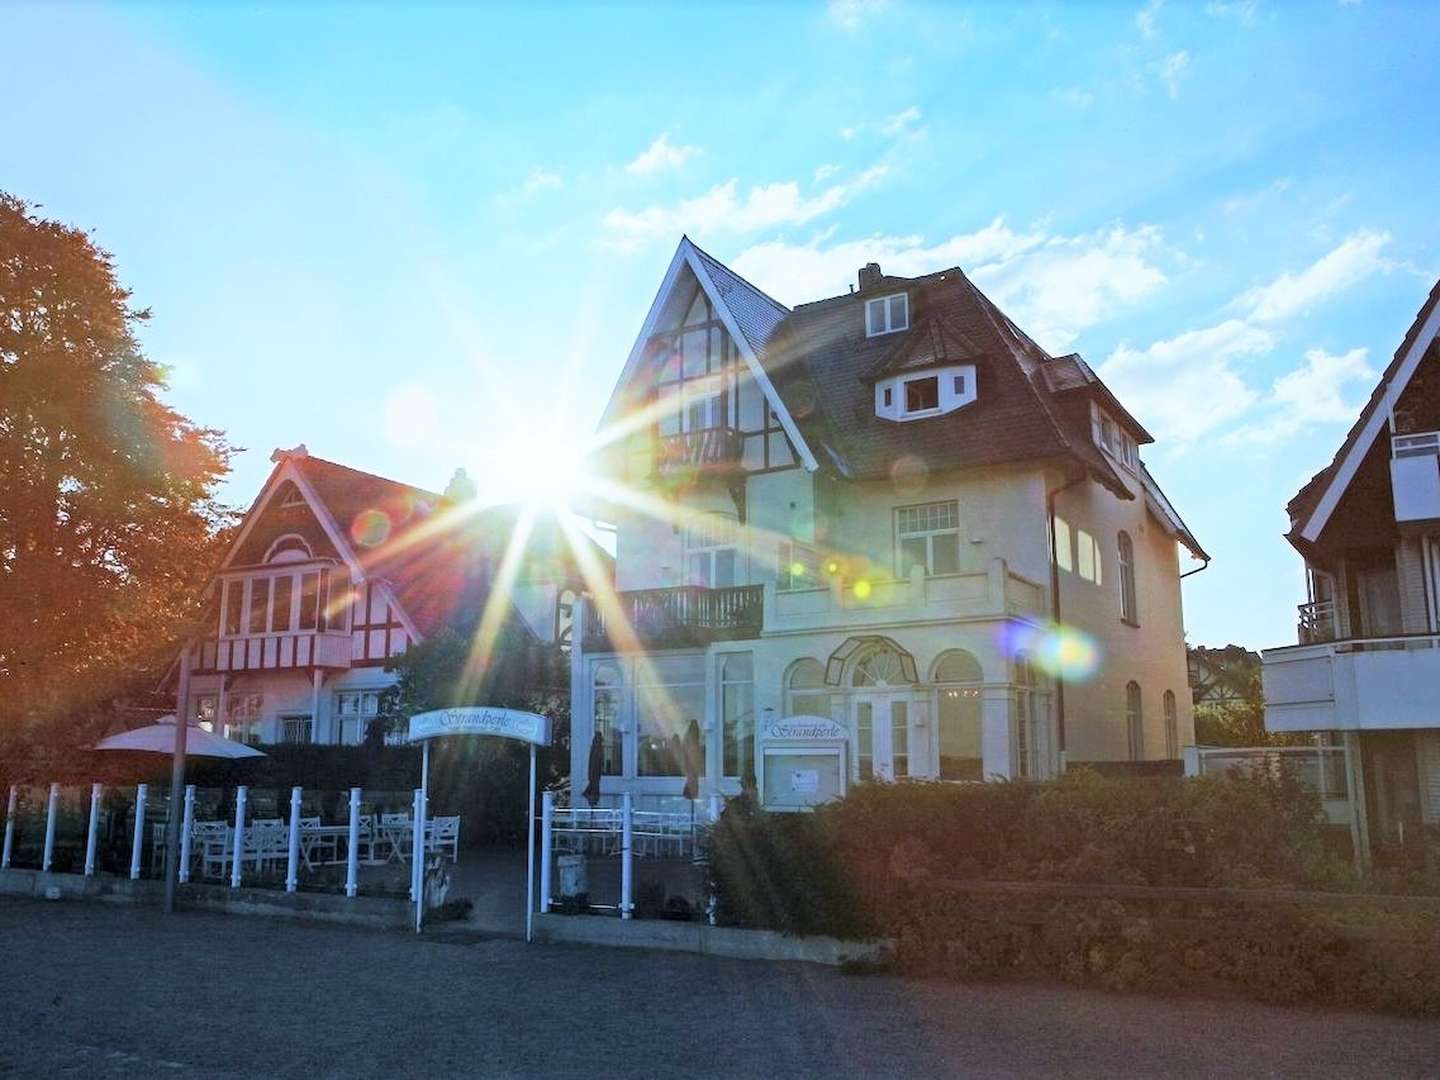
[
  {"x": 1062, "y": 651},
  {"x": 371, "y": 528},
  {"x": 862, "y": 589}
]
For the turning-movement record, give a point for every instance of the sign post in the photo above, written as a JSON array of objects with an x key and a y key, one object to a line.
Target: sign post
[{"x": 479, "y": 720}]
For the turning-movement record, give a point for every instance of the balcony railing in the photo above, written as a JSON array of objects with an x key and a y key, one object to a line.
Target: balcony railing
[
  {"x": 709, "y": 450},
  {"x": 262, "y": 652},
  {"x": 1358, "y": 684},
  {"x": 1317, "y": 622},
  {"x": 669, "y": 618}
]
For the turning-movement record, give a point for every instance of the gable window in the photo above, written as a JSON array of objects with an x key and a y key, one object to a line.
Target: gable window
[
  {"x": 922, "y": 394},
  {"x": 1128, "y": 610},
  {"x": 887, "y": 314},
  {"x": 798, "y": 567},
  {"x": 928, "y": 536},
  {"x": 289, "y": 495},
  {"x": 1113, "y": 439},
  {"x": 1134, "y": 722},
  {"x": 710, "y": 552}
]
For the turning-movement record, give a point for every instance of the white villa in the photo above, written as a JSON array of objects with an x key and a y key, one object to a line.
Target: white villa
[
  {"x": 870, "y": 511},
  {"x": 1366, "y": 672},
  {"x": 332, "y": 573}
]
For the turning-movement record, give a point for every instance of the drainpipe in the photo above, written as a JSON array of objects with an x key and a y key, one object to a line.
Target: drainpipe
[
  {"x": 1055, "y": 610},
  {"x": 1204, "y": 565}
]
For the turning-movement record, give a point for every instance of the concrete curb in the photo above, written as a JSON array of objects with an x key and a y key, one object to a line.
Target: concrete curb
[
  {"x": 317, "y": 907},
  {"x": 704, "y": 940}
]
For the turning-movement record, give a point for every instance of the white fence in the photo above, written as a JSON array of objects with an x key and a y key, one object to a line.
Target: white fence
[{"x": 1322, "y": 768}]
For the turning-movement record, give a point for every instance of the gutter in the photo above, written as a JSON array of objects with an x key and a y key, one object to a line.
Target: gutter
[
  {"x": 1204, "y": 565},
  {"x": 1050, "y": 497}
]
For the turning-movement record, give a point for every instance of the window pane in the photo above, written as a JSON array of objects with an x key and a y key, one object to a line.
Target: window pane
[
  {"x": 700, "y": 569},
  {"x": 668, "y": 407},
  {"x": 946, "y": 550},
  {"x": 958, "y": 384},
  {"x": 607, "y": 723},
  {"x": 694, "y": 355},
  {"x": 1062, "y": 545},
  {"x": 737, "y": 709},
  {"x": 233, "y": 594},
  {"x": 1084, "y": 555},
  {"x": 259, "y": 604},
  {"x": 780, "y": 454},
  {"x": 724, "y": 568},
  {"x": 689, "y": 668},
  {"x": 309, "y": 600},
  {"x": 280, "y": 608},
  {"x": 864, "y": 740},
  {"x": 900, "y": 738},
  {"x": 875, "y": 316},
  {"x": 663, "y": 714},
  {"x": 899, "y": 312},
  {"x": 912, "y": 554},
  {"x": 922, "y": 394}
]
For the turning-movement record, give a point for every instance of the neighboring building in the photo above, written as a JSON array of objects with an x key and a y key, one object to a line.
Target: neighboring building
[
  {"x": 333, "y": 573},
  {"x": 1368, "y": 664},
  {"x": 1223, "y": 676},
  {"x": 845, "y": 511}
]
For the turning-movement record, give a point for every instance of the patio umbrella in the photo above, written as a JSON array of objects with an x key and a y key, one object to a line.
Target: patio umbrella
[
  {"x": 159, "y": 738},
  {"x": 691, "y": 757},
  {"x": 597, "y": 768}
]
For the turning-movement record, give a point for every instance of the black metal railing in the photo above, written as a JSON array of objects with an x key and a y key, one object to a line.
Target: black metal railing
[
  {"x": 685, "y": 615},
  {"x": 707, "y": 450}
]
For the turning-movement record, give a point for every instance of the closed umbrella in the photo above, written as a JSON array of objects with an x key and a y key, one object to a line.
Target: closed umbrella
[
  {"x": 597, "y": 769},
  {"x": 159, "y": 738}
]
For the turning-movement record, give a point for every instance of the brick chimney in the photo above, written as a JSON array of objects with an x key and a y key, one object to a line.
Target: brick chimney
[{"x": 869, "y": 275}]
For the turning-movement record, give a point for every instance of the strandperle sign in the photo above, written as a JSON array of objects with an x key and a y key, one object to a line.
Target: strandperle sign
[
  {"x": 481, "y": 720},
  {"x": 803, "y": 729}
]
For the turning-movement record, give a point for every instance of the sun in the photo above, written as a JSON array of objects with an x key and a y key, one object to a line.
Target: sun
[{"x": 543, "y": 468}]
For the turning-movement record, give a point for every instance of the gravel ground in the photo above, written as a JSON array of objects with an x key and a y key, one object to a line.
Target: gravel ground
[{"x": 89, "y": 990}]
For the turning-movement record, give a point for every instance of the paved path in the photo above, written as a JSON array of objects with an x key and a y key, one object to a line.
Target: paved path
[{"x": 96, "y": 990}]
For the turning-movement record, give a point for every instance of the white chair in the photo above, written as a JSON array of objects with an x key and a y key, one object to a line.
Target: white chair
[
  {"x": 442, "y": 835},
  {"x": 398, "y": 831},
  {"x": 210, "y": 845}
]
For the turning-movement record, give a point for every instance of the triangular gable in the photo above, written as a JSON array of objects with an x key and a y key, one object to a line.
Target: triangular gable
[
  {"x": 745, "y": 312},
  {"x": 1314, "y": 505}
]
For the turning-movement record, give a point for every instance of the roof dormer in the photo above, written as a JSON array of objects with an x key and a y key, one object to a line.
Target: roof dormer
[
  {"x": 887, "y": 314},
  {"x": 923, "y": 394}
]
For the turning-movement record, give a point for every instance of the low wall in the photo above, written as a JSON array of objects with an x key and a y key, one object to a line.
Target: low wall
[
  {"x": 320, "y": 907},
  {"x": 693, "y": 937}
]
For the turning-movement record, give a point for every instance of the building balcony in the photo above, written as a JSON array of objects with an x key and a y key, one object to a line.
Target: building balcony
[
  {"x": 710, "y": 450},
  {"x": 1360, "y": 684},
  {"x": 1317, "y": 622},
  {"x": 277, "y": 652},
  {"x": 1415, "y": 476},
  {"x": 690, "y": 615}
]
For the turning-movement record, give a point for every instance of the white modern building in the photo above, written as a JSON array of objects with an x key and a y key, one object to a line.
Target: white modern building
[
  {"x": 1367, "y": 669},
  {"x": 870, "y": 510}
]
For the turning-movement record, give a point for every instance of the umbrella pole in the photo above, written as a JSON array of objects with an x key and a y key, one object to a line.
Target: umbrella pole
[{"x": 177, "y": 778}]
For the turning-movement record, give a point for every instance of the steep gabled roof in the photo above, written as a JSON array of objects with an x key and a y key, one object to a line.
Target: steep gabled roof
[
  {"x": 1311, "y": 507},
  {"x": 757, "y": 314}
]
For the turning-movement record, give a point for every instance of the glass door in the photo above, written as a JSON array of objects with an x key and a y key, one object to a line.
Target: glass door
[{"x": 882, "y": 736}]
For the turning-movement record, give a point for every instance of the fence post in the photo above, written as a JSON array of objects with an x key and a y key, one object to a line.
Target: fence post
[
  {"x": 292, "y": 862},
  {"x": 187, "y": 826},
  {"x": 716, "y": 806},
  {"x": 93, "y": 832},
  {"x": 142, "y": 792},
  {"x": 52, "y": 809},
  {"x": 9, "y": 827},
  {"x": 547, "y": 824},
  {"x": 241, "y": 794},
  {"x": 352, "y": 848},
  {"x": 627, "y": 855},
  {"x": 417, "y": 857}
]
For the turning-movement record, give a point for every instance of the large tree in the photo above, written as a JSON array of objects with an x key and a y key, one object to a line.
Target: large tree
[{"x": 108, "y": 516}]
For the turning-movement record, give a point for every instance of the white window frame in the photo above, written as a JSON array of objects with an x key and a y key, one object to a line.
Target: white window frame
[
  {"x": 305, "y": 719},
  {"x": 792, "y": 553},
  {"x": 362, "y": 717},
  {"x": 243, "y": 723},
  {"x": 727, "y": 683},
  {"x": 884, "y": 305},
  {"x": 704, "y": 540},
  {"x": 1129, "y": 598},
  {"x": 929, "y": 533}
]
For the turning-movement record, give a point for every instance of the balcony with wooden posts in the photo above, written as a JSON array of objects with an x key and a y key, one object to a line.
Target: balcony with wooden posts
[
  {"x": 714, "y": 450},
  {"x": 685, "y": 616},
  {"x": 300, "y": 650}
]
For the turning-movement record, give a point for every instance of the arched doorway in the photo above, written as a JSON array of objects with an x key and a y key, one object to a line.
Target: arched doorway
[{"x": 883, "y": 679}]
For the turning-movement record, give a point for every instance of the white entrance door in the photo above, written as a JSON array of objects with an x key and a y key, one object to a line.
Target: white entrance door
[{"x": 882, "y": 736}]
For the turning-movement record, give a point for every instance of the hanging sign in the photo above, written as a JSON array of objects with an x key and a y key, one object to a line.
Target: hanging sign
[
  {"x": 481, "y": 720},
  {"x": 803, "y": 729}
]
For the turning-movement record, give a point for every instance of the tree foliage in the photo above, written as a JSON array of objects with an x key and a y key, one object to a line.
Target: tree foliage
[{"x": 108, "y": 516}]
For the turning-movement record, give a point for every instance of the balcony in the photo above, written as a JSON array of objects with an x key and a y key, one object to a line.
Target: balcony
[
  {"x": 277, "y": 652},
  {"x": 710, "y": 450},
  {"x": 690, "y": 615},
  {"x": 1317, "y": 622},
  {"x": 1361, "y": 684},
  {"x": 1415, "y": 476}
]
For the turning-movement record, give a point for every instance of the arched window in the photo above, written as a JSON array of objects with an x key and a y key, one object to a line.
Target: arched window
[
  {"x": 1026, "y": 701},
  {"x": 805, "y": 691},
  {"x": 1172, "y": 727},
  {"x": 880, "y": 667},
  {"x": 959, "y": 675},
  {"x": 1134, "y": 720},
  {"x": 288, "y": 548},
  {"x": 1129, "y": 611},
  {"x": 607, "y": 705}
]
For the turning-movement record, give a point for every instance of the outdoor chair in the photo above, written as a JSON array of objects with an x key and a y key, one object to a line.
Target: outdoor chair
[
  {"x": 398, "y": 832},
  {"x": 210, "y": 846},
  {"x": 443, "y": 836}
]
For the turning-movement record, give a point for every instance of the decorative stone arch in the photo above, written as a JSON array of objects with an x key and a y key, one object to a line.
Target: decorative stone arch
[
  {"x": 853, "y": 651},
  {"x": 957, "y": 666}
]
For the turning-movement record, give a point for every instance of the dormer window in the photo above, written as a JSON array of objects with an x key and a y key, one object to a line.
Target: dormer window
[
  {"x": 887, "y": 314},
  {"x": 925, "y": 393},
  {"x": 1113, "y": 439}
]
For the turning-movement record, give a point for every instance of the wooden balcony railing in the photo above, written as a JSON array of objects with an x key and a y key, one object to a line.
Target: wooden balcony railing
[
  {"x": 710, "y": 450},
  {"x": 671, "y": 618},
  {"x": 260, "y": 652}
]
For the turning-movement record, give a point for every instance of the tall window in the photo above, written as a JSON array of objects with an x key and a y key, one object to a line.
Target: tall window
[
  {"x": 607, "y": 705},
  {"x": 1134, "y": 722},
  {"x": 805, "y": 691},
  {"x": 928, "y": 536},
  {"x": 233, "y": 602},
  {"x": 243, "y": 716},
  {"x": 1128, "y": 611},
  {"x": 1063, "y": 557},
  {"x": 797, "y": 567},
  {"x": 737, "y": 713},
  {"x": 309, "y": 601},
  {"x": 1087, "y": 557},
  {"x": 1172, "y": 726},
  {"x": 959, "y": 675},
  {"x": 669, "y": 695},
  {"x": 259, "y": 604},
  {"x": 694, "y": 379},
  {"x": 355, "y": 710},
  {"x": 282, "y": 617},
  {"x": 1025, "y": 717},
  {"x": 710, "y": 551}
]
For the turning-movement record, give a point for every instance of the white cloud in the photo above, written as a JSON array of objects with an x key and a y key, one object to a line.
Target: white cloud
[
  {"x": 1053, "y": 286},
  {"x": 660, "y": 156},
  {"x": 1241, "y": 204},
  {"x": 722, "y": 209},
  {"x": 541, "y": 180},
  {"x": 1311, "y": 394},
  {"x": 1146, "y": 16},
  {"x": 1171, "y": 69},
  {"x": 824, "y": 172},
  {"x": 849, "y": 14},
  {"x": 1073, "y": 96},
  {"x": 1356, "y": 258},
  {"x": 897, "y": 124},
  {"x": 1186, "y": 387},
  {"x": 1242, "y": 10}
]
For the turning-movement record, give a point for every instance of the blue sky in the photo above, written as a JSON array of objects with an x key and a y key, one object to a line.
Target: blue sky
[{"x": 421, "y": 239}]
